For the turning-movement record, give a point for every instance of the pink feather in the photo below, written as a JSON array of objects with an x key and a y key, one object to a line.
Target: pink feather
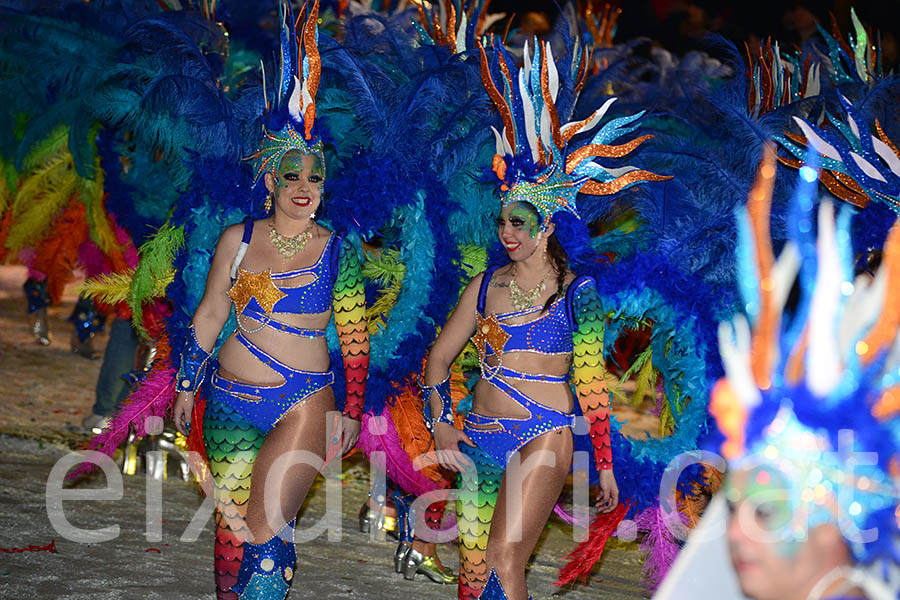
[
  {"x": 151, "y": 399},
  {"x": 124, "y": 240},
  {"x": 379, "y": 434},
  {"x": 92, "y": 259},
  {"x": 659, "y": 544}
]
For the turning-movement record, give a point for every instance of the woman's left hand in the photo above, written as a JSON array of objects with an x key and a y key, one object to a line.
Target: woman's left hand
[
  {"x": 350, "y": 428},
  {"x": 608, "y": 498}
]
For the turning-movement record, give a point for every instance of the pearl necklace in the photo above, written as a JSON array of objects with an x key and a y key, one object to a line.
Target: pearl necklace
[
  {"x": 288, "y": 246},
  {"x": 522, "y": 299}
]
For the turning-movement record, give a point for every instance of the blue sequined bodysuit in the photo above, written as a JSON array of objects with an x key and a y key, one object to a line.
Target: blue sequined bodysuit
[
  {"x": 265, "y": 405},
  {"x": 548, "y": 333}
]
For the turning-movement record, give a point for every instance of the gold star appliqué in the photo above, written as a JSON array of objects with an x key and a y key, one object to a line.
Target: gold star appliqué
[
  {"x": 489, "y": 331},
  {"x": 255, "y": 285}
]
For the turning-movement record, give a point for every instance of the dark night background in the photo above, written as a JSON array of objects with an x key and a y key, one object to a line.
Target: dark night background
[{"x": 682, "y": 25}]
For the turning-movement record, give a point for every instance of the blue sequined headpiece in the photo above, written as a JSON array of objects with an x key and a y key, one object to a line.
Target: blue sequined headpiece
[
  {"x": 805, "y": 391},
  {"x": 290, "y": 119},
  {"x": 536, "y": 159}
]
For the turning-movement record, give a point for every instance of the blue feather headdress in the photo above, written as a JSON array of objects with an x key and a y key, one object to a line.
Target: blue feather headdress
[
  {"x": 289, "y": 122},
  {"x": 805, "y": 394},
  {"x": 537, "y": 160}
]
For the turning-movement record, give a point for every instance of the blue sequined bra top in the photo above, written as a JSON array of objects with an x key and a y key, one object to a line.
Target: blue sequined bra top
[
  {"x": 311, "y": 298},
  {"x": 548, "y": 333}
]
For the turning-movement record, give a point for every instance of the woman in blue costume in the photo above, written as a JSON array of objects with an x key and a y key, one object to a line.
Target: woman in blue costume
[
  {"x": 284, "y": 275},
  {"x": 533, "y": 321}
]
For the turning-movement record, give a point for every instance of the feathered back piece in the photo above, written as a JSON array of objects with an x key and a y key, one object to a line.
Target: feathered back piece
[
  {"x": 776, "y": 79},
  {"x": 857, "y": 59},
  {"x": 537, "y": 161},
  {"x": 454, "y": 24},
  {"x": 859, "y": 166},
  {"x": 289, "y": 119},
  {"x": 805, "y": 391}
]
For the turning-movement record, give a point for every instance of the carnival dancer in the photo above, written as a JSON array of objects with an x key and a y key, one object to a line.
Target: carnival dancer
[
  {"x": 533, "y": 320},
  {"x": 284, "y": 275},
  {"x": 809, "y": 408}
]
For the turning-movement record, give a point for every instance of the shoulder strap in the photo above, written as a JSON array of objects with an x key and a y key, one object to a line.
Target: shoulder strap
[
  {"x": 482, "y": 290},
  {"x": 242, "y": 249},
  {"x": 334, "y": 255},
  {"x": 570, "y": 299}
]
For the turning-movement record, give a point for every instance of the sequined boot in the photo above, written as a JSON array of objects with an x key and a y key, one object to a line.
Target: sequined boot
[
  {"x": 493, "y": 589},
  {"x": 87, "y": 321},
  {"x": 38, "y": 299},
  {"x": 267, "y": 569},
  {"x": 401, "y": 502}
]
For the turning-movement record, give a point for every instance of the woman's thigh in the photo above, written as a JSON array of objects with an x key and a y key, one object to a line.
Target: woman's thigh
[{"x": 532, "y": 483}]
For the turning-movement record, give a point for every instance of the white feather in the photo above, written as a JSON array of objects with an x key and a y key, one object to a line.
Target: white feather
[
  {"x": 813, "y": 85},
  {"x": 498, "y": 141},
  {"x": 867, "y": 167},
  {"x": 461, "y": 34},
  {"x": 861, "y": 309},
  {"x": 887, "y": 155},
  {"x": 552, "y": 74},
  {"x": 821, "y": 146},
  {"x": 823, "y": 359},
  {"x": 594, "y": 120},
  {"x": 526, "y": 66},
  {"x": 734, "y": 349},
  {"x": 294, "y": 102},
  {"x": 528, "y": 112}
]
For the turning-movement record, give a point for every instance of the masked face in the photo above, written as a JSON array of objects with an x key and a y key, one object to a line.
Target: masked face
[
  {"x": 770, "y": 562},
  {"x": 299, "y": 185},
  {"x": 519, "y": 230}
]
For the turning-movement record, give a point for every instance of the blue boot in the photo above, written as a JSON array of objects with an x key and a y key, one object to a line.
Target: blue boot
[
  {"x": 267, "y": 570},
  {"x": 493, "y": 589},
  {"x": 404, "y": 531}
]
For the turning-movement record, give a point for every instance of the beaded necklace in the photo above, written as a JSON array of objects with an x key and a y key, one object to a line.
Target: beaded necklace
[{"x": 288, "y": 246}]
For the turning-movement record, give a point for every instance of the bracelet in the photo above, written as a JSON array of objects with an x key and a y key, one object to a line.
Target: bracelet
[
  {"x": 193, "y": 363},
  {"x": 443, "y": 392}
]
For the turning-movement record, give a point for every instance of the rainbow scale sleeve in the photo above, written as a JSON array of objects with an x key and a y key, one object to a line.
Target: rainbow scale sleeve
[
  {"x": 589, "y": 367},
  {"x": 353, "y": 331}
]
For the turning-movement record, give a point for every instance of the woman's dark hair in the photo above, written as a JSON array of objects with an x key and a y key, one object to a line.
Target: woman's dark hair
[{"x": 560, "y": 263}]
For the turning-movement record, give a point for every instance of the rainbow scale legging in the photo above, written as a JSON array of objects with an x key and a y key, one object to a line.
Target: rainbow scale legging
[
  {"x": 231, "y": 447},
  {"x": 476, "y": 500}
]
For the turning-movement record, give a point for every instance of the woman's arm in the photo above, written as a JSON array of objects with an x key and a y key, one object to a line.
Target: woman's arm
[
  {"x": 209, "y": 318},
  {"x": 588, "y": 367},
  {"x": 452, "y": 339},
  {"x": 352, "y": 328}
]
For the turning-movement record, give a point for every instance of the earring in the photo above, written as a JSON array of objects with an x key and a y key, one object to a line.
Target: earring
[
  {"x": 312, "y": 215},
  {"x": 268, "y": 205}
]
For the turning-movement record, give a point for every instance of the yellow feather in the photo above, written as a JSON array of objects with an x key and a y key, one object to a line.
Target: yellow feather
[
  {"x": 43, "y": 195},
  {"x": 113, "y": 288},
  {"x": 101, "y": 229}
]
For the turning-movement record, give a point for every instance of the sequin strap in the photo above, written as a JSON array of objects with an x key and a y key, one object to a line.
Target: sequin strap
[
  {"x": 442, "y": 389},
  {"x": 242, "y": 249},
  {"x": 193, "y": 363},
  {"x": 588, "y": 367},
  {"x": 281, "y": 326},
  {"x": 482, "y": 290},
  {"x": 349, "y": 307}
]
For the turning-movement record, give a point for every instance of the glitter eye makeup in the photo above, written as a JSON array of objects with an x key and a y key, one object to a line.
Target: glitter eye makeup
[{"x": 522, "y": 217}]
